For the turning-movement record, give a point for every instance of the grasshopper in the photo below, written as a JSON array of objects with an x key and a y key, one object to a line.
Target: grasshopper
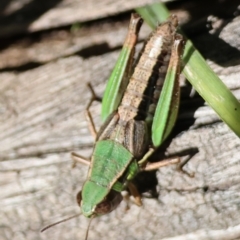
[
  {"x": 140, "y": 107},
  {"x": 139, "y": 110}
]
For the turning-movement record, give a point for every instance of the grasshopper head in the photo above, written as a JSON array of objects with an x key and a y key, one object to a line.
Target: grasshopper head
[{"x": 98, "y": 202}]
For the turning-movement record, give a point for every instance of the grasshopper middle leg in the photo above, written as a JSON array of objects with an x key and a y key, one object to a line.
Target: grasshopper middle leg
[
  {"x": 76, "y": 157},
  {"x": 88, "y": 114}
]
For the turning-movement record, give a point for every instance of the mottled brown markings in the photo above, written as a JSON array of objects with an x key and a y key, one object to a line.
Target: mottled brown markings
[
  {"x": 150, "y": 63},
  {"x": 137, "y": 94},
  {"x": 107, "y": 128},
  {"x": 134, "y": 132},
  {"x": 134, "y": 27},
  {"x": 174, "y": 65},
  {"x": 130, "y": 41},
  {"x": 150, "y": 71}
]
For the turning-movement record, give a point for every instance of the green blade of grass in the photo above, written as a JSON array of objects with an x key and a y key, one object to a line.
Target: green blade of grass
[
  {"x": 200, "y": 75},
  {"x": 149, "y": 13}
]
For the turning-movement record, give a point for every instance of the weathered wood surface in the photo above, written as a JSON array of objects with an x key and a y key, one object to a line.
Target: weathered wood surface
[
  {"x": 42, "y": 121},
  {"x": 20, "y": 16}
]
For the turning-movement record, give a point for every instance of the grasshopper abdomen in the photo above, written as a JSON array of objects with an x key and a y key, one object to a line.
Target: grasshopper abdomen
[{"x": 143, "y": 90}]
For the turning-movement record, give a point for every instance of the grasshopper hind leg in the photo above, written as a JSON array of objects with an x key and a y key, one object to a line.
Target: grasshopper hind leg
[
  {"x": 162, "y": 163},
  {"x": 147, "y": 166},
  {"x": 167, "y": 162}
]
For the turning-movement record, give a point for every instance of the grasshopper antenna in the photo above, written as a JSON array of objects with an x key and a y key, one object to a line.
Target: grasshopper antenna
[
  {"x": 61, "y": 221},
  {"x": 86, "y": 237}
]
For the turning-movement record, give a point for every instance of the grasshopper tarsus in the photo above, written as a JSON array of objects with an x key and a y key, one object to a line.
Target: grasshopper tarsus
[
  {"x": 94, "y": 97},
  {"x": 180, "y": 168},
  {"x": 191, "y": 175}
]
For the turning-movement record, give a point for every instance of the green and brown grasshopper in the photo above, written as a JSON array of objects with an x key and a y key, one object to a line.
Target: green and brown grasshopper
[{"x": 140, "y": 107}]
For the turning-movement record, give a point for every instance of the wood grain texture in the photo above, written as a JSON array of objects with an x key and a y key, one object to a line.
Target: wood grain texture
[
  {"x": 30, "y": 15},
  {"x": 85, "y": 41},
  {"x": 42, "y": 121}
]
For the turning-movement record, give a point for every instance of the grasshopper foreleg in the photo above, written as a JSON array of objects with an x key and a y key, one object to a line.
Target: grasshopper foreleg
[
  {"x": 135, "y": 193},
  {"x": 78, "y": 158}
]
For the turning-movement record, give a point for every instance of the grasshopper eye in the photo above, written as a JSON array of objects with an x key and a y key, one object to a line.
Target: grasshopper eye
[
  {"x": 79, "y": 198},
  {"x": 111, "y": 202},
  {"x": 103, "y": 207}
]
